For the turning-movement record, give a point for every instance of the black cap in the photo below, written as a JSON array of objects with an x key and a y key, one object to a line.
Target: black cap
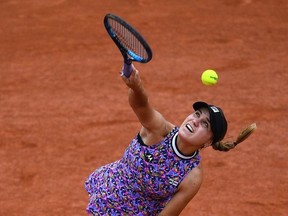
[{"x": 217, "y": 120}]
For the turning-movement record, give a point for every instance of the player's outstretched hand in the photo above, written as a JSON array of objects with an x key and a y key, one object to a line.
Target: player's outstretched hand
[{"x": 134, "y": 81}]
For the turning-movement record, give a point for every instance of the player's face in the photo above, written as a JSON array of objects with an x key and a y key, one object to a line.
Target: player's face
[{"x": 196, "y": 128}]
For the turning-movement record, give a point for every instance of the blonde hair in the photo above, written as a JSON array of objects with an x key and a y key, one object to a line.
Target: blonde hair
[{"x": 223, "y": 146}]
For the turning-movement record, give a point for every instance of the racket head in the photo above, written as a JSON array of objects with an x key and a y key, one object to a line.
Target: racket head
[
  {"x": 131, "y": 44},
  {"x": 246, "y": 133}
]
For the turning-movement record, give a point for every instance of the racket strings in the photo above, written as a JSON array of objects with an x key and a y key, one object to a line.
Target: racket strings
[{"x": 128, "y": 40}]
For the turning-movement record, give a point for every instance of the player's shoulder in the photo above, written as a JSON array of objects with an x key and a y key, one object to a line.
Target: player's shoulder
[
  {"x": 168, "y": 127},
  {"x": 194, "y": 179}
]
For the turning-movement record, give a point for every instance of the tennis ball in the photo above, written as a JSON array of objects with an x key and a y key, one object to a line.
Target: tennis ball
[{"x": 209, "y": 77}]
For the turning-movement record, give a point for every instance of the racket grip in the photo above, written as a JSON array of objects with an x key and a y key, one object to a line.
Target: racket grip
[{"x": 127, "y": 69}]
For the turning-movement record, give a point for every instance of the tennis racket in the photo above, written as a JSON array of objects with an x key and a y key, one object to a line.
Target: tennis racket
[{"x": 131, "y": 44}]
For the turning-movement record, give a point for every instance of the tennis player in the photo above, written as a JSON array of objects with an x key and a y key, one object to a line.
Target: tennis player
[{"x": 160, "y": 171}]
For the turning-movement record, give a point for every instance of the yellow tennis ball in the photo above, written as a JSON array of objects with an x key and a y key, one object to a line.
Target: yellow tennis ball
[{"x": 209, "y": 77}]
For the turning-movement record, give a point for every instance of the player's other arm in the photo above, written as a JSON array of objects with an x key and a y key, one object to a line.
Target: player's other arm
[{"x": 188, "y": 188}]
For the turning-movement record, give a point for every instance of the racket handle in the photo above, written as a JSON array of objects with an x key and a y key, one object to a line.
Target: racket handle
[{"x": 127, "y": 69}]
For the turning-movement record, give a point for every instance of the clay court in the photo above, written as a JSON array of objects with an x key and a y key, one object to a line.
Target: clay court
[{"x": 64, "y": 109}]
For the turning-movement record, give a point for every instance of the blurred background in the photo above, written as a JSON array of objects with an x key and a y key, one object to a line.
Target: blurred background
[{"x": 64, "y": 110}]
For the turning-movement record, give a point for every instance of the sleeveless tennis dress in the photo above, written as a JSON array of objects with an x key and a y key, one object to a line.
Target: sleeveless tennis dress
[{"x": 142, "y": 182}]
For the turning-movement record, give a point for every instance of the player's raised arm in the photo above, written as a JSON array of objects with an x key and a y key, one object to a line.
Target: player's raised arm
[{"x": 150, "y": 119}]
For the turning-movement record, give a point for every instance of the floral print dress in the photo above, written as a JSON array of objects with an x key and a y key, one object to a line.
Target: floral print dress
[{"x": 142, "y": 181}]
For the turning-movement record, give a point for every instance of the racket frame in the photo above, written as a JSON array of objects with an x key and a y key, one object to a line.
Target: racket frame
[{"x": 128, "y": 55}]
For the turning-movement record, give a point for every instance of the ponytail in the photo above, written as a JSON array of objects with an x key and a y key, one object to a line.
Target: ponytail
[{"x": 223, "y": 146}]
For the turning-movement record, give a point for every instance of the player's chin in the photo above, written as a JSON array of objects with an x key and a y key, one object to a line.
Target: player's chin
[{"x": 185, "y": 134}]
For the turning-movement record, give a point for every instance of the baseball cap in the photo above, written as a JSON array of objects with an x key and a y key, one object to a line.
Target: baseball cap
[{"x": 217, "y": 120}]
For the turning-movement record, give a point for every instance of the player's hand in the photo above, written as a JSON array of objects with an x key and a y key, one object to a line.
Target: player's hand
[{"x": 134, "y": 81}]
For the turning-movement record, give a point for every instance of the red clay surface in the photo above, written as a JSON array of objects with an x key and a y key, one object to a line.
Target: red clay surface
[{"x": 64, "y": 110}]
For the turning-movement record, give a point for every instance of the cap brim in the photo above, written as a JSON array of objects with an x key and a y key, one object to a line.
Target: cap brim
[{"x": 200, "y": 104}]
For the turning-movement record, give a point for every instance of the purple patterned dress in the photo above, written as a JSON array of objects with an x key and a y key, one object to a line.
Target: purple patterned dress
[{"x": 142, "y": 182}]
